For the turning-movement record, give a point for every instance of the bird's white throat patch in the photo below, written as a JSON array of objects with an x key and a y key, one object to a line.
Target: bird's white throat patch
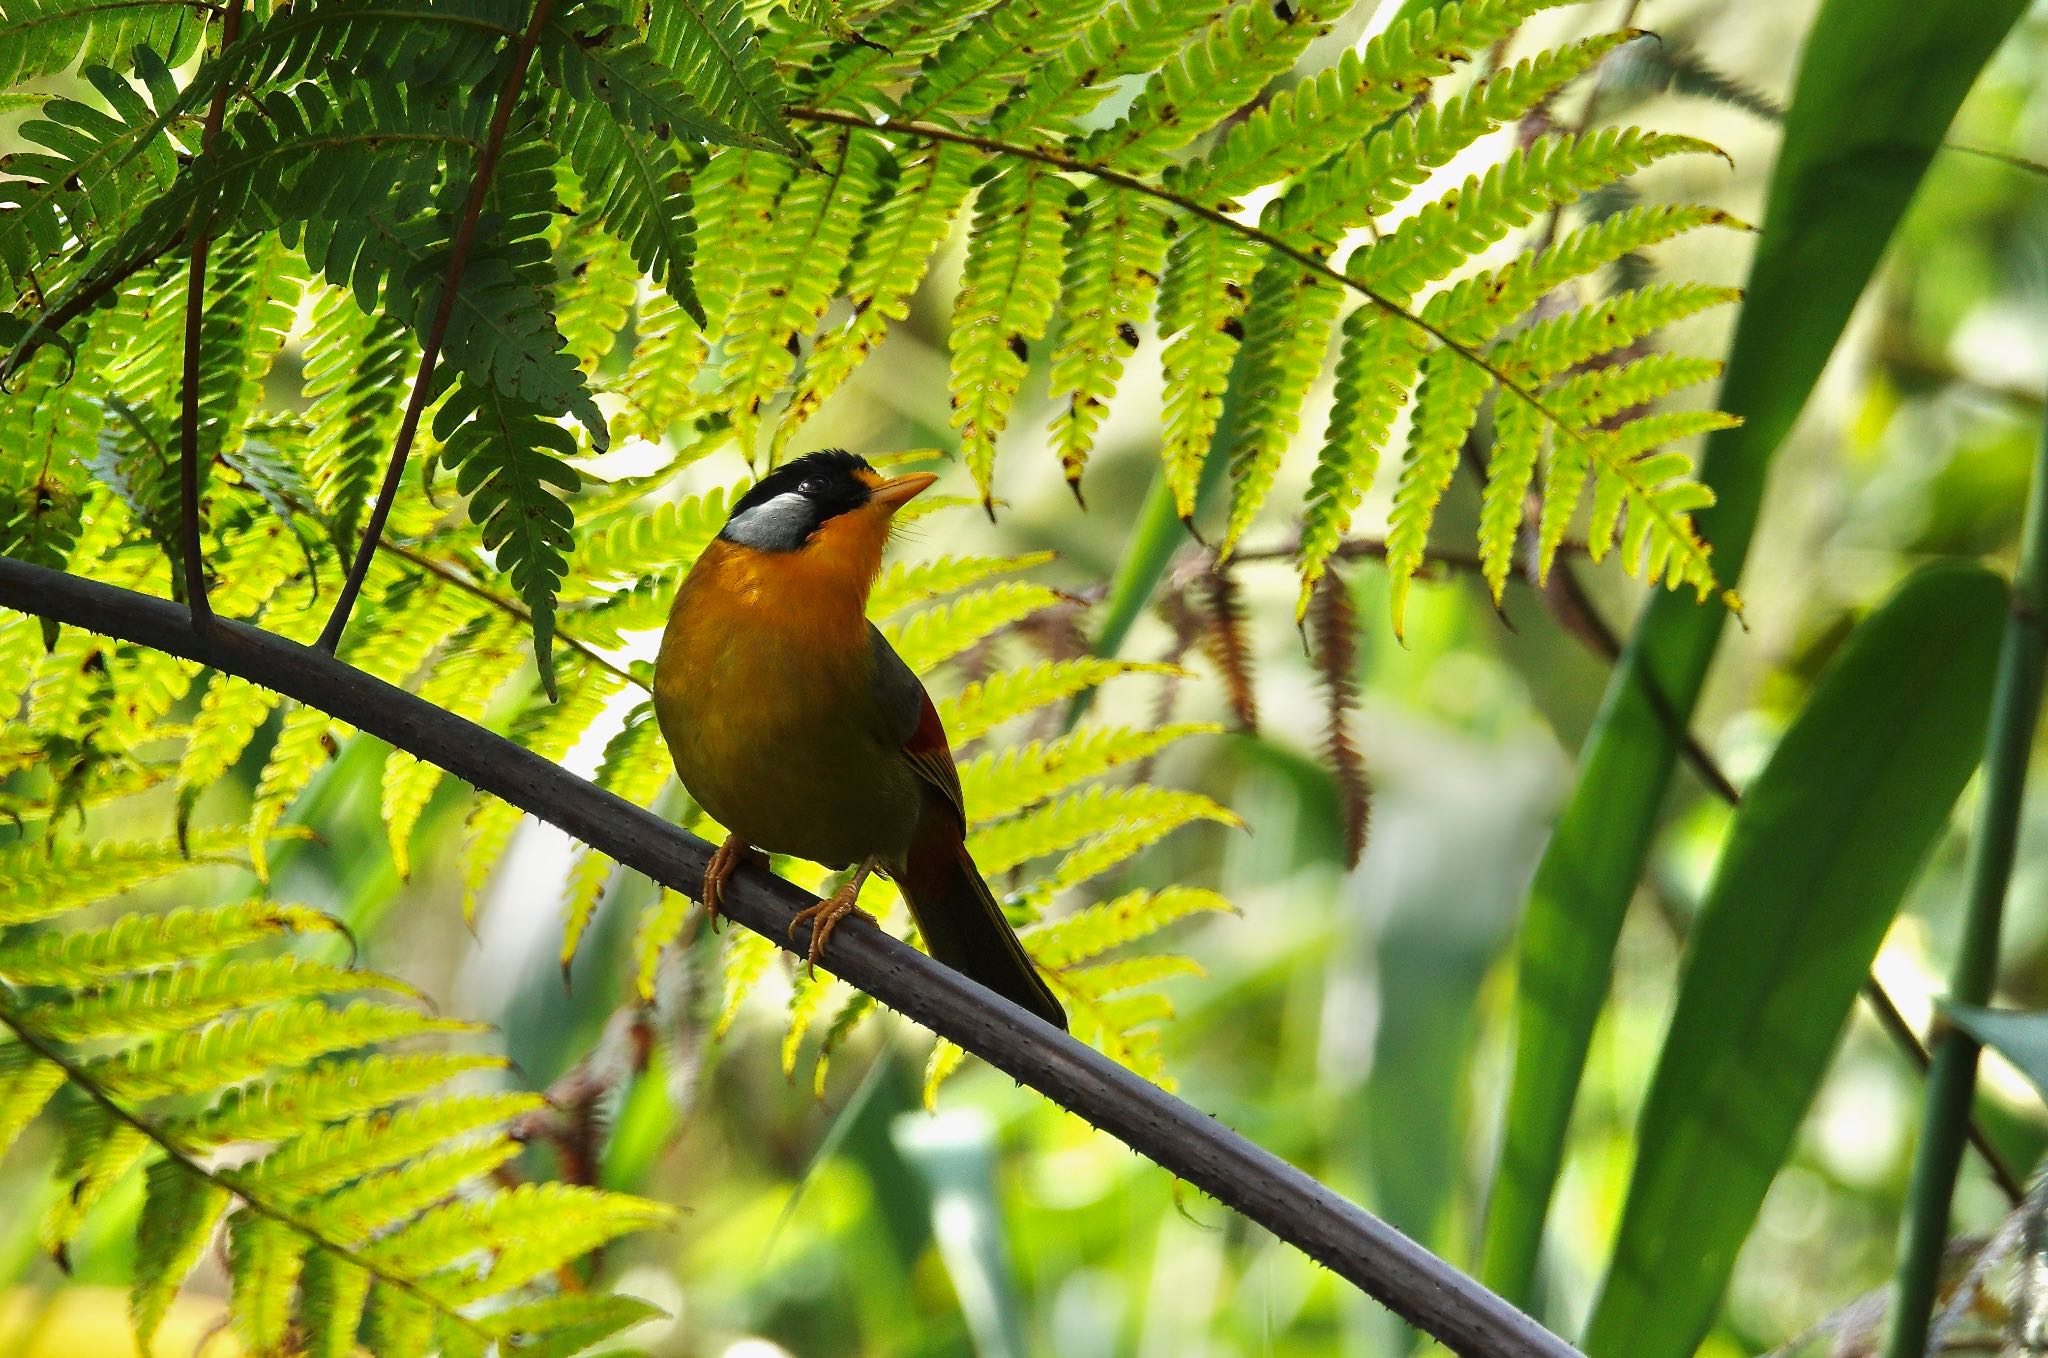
[{"x": 778, "y": 525}]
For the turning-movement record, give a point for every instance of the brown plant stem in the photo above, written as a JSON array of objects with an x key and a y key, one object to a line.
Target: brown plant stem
[
  {"x": 1187, "y": 1142},
  {"x": 195, "y": 324},
  {"x": 437, "y": 329}
]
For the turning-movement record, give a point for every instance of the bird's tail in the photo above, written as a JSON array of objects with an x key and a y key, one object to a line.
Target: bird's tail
[{"x": 963, "y": 926}]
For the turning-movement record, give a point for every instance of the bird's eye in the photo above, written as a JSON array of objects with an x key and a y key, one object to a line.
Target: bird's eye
[{"x": 811, "y": 487}]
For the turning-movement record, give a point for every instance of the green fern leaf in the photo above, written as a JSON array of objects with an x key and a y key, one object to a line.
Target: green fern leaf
[
  {"x": 1129, "y": 38},
  {"x": 246, "y": 1046},
  {"x": 179, "y": 1212},
  {"x": 512, "y": 463},
  {"x": 974, "y": 70},
  {"x": 746, "y": 960},
  {"x": 1094, "y": 812},
  {"x": 97, "y": 1152},
  {"x": 169, "y": 1001},
  {"x": 400, "y": 1321},
  {"x": 658, "y": 928},
  {"x": 45, "y": 37},
  {"x": 795, "y": 268},
  {"x": 736, "y": 195},
  {"x": 27, "y": 1083},
  {"x": 333, "y": 1294},
  {"x": 1338, "y": 108},
  {"x": 307, "y": 739},
  {"x": 375, "y": 1203},
  {"x": 371, "y": 1143},
  {"x": 1517, "y": 444},
  {"x": 922, "y": 190},
  {"x": 903, "y": 584},
  {"x": 1288, "y": 324},
  {"x": 1376, "y": 363},
  {"x": 287, "y": 1103},
  {"x": 1007, "y": 291},
  {"x": 1155, "y": 819},
  {"x": 714, "y": 51},
  {"x": 1446, "y": 404},
  {"x": 636, "y": 768},
  {"x": 1001, "y": 782},
  {"x": 568, "y": 1324},
  {"x": 1116, "y": 248},
  {"x": 1212, "y": 77},
  {"x": 265, "y": 1257},
  {"x": 39, "y": 882},
  {"x": 939, "y": 633},
  {"x": 1090, "y": 932},
  {"x": 1557, "y": 343},
  {"x": 1201, "y": 312},
  {"x": 636, "y": 184},
  {"x": 531, "y": 1229},
  {"x": 982, "y": 706}
]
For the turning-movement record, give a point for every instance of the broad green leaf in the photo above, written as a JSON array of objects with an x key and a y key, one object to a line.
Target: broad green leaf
[
  {"x": 1877, "y": 85},
  {"x": 1820, "y": 854},
  {"x": 2020, "y": 1038}
]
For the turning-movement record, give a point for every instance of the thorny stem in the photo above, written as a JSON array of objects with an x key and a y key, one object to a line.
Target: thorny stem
[
  {"x": 226, "y": 1181},
  {"x": 195, "y": 324},
  {"x": 437, "y": 329}
]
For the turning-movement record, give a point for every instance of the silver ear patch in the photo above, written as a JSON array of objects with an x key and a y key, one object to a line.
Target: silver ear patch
[{"x": 778, "y": 525}]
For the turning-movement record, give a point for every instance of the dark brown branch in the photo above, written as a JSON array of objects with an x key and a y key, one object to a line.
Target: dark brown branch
[
  {"x": 195, "y": 326},
  {"x": 1185, "y": 1141},
  {"x": 437, "y": 329}
]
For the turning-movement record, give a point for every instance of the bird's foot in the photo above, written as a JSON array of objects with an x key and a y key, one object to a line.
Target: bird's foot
[
  {"x": 824, "y": 917},
  {"x": 728, "y": 856}
]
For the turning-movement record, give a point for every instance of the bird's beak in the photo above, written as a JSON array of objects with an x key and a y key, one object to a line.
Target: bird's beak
[{"x": 893, "y": 495}]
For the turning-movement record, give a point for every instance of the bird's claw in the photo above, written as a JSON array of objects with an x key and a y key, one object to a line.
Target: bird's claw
[
  {"x": 824, "y": 917},
  {"x": 728, "y": 856}
]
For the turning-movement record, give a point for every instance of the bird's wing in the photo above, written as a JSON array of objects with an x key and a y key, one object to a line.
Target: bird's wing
[{"x": 914, "y": 722}]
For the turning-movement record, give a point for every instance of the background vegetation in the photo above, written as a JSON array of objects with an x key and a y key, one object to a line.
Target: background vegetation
[{"x": 1361, "y": 1021}]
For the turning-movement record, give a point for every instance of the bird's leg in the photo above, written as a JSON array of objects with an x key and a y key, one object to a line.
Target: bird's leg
[
  {"x": 824, "y": 917},
  {"x": 728, "y": 856}
]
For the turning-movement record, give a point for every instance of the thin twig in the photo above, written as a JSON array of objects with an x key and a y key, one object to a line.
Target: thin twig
[
  {"x": 195, "y": 325},
  {"x": 437, "y": 329},
  {"x": 1182, "y": 1139}
]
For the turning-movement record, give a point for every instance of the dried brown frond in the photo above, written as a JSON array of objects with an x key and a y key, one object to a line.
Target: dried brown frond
[
  {"x": 1226, "y": 640},
  {"x": 1334, "y": 635}
]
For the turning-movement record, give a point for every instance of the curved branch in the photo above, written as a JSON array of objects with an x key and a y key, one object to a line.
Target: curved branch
[{"x": 1185, "y": 1141}]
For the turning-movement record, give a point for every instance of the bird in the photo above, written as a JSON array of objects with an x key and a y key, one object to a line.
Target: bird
[{"x": 795, "y": 725}]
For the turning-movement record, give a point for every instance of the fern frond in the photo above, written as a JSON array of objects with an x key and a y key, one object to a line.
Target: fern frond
[
  {"x": 1201, "y": 313},
  {"x": 306, "y": 740},
  {"x": 1446, "y": 404},
  {"x": 982, "y": 706},
  {"x": 668, "y": 351},
  {"x": 39, "y": 882},
  {"x": 936, "y": 634},
  {"x": 1116, "y": 248},
  {"x": 1008, "y": 288},
  {"x": 795, "y": 268},
  {"x": 1215, "y": 75},
  {"x": 290, "y": 1101},
  {"x": 1090, "y": 932},
  {"x": 1122, "y": 39},
  {"x": 658, "y": 928},
  {"x": 1376, "y": 363},
  {"x": 905, "y": 583},
  {"x": 370, "y": 1143},
  {"x": 1079, "y": 816},
  {"x": 265, "y": 1257},
  {"x": 636, "y": 768},
  {"x": 1337, "y": 109},
  {"x": 512, "y": 463},
  {"x": 973, "y": 71},
  {"x": 1288, "y": 323},
  {"x": 355, "y": 367},
  {"x": 1557, "y": 343},
  {"x": 1335, "y": 631},
  {"x": 179, "y": 1213},
  {"x": 45, "y": 37},
  {"x": 922, "y": 190},
  {"x": 999, "y": 783},
  {"x": 1518, "y": 438},
  {"x": 636, "y": 184},
  {"x": 27, "y": 1083},
  {"x": 168, "y": 1001},
  {"x": 713, "y": 48}
]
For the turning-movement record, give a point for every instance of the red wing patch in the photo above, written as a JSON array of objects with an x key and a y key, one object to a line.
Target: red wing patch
[{"x": 932, "y": 757}]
